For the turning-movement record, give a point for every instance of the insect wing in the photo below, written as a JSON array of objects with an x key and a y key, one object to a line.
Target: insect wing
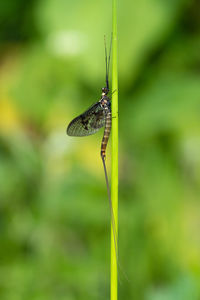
[{"x": 87, "y": 123}]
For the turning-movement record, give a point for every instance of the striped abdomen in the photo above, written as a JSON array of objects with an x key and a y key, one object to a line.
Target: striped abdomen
[{"x": 107, "y": 131}]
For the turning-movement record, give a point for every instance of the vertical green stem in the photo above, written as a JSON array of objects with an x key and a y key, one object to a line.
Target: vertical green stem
[{"x": 114, "y": 161}]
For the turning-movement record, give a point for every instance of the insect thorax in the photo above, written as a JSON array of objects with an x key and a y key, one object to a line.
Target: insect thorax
[{"x": 105, "y": 102}]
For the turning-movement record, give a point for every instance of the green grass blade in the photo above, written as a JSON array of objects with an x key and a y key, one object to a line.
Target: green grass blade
[{"x": 114, "y": 160}]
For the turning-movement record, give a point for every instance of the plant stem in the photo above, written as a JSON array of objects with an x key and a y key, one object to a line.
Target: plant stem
[{"x": 114, "y": 161}]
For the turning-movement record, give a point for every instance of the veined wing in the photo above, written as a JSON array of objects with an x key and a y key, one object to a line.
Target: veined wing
[{"x": 87, "y": 123}]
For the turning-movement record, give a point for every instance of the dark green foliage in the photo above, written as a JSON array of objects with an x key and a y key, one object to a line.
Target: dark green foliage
[{"x": 54, "y": 212}]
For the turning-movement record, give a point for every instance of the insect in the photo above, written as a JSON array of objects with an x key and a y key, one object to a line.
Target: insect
[
  {"x": 89, "y": 122},
  {"x": 97, "y": 116}
]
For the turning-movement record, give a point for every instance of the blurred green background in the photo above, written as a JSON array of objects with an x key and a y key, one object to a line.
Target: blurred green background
[{"x": 54, "y": 213}]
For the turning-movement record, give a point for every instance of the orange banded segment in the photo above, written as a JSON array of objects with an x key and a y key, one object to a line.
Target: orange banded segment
[{"x": 106, "y": 134}]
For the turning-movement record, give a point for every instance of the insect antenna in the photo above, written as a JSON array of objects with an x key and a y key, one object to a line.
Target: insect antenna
[
  {"x": 109, "y": 55},
  {"x": 107, "y": 60}
]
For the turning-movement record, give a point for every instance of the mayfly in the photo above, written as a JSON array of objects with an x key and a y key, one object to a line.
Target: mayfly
[
  {"x": 97, "y": 116},
  {"x": 89, "y": 122}
]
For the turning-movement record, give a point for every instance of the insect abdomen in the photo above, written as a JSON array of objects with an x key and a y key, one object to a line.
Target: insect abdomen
[{"x": 106, "y": 134}]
